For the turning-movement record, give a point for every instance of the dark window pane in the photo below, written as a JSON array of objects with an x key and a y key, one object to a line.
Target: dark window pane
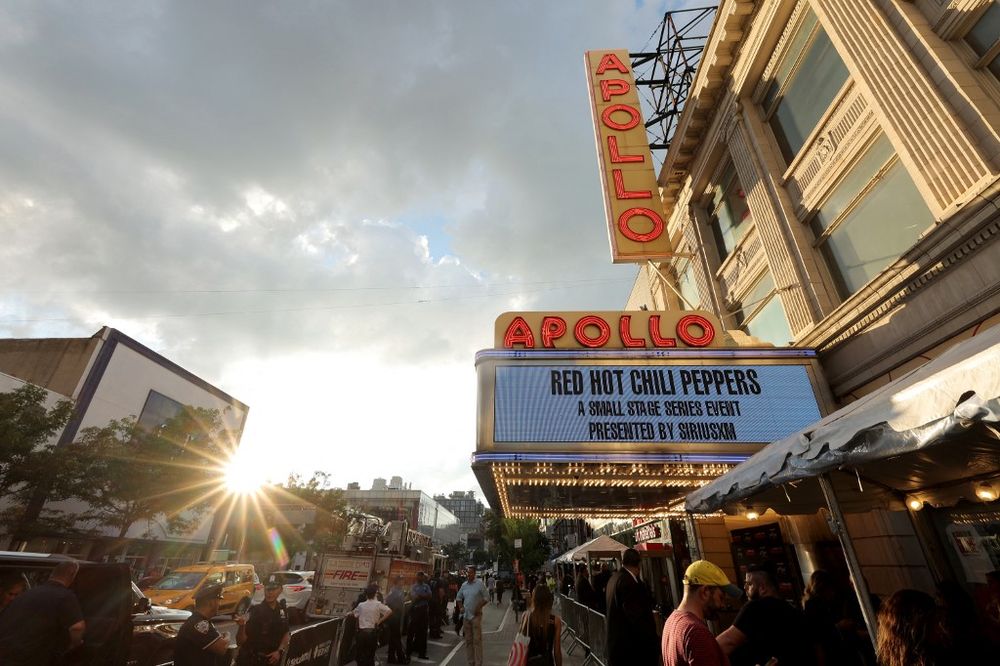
[
  {"x": 986, "y": 31},
  {"x": 817, "y": 81},
  {"x": 157, "y": 411},
  {"x": 784, "y": 67},
  {"x": 688, "y": 286},
  {"x": 883, "y": 225},
  {"x": 731, "y": 215},
  {"x": 853, "y": 182}
]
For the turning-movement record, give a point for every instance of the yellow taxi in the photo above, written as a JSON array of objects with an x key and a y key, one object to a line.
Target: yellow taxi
[{"x": 178, "y": 588}]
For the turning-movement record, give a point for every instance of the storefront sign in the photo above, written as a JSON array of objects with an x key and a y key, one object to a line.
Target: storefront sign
[
  {"x": 647, "y": 532},
  {"x": 640, "y": 329},
  {"x": 632, "y": 202},
  {"x": 708, "y": 403}
]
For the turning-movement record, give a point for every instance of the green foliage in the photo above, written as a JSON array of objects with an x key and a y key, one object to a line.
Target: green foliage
[
  {"x": 29, "y": 457},
  {"x": 457, "y": 554},
  {"x": 480, "y": 556},
  {"x": 502, "y": 532},
  {"x": 327, "y": 531},
  {"x": 127, "y": 474}
]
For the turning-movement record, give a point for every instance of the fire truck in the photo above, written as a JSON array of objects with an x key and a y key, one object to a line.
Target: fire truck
[{"x": 373, "y": 552}]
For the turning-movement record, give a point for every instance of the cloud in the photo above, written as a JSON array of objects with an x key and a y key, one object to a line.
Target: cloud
[{"x": 248, "y": 187}]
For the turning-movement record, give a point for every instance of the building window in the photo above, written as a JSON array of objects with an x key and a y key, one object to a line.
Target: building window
[
  {"x": 730, "y": 213},
  {"x": 158, "y": 411},
  {"x": 984, "y": 38},
  {"x": 762, "y": 315},
  {"x": 805, "y": 83},
  {"x": 870, "y": 218},
  {"x": 688, "y": 286}
]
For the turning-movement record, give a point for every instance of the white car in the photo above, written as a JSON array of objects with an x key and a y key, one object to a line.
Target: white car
[{"x": 296, "y": 589}]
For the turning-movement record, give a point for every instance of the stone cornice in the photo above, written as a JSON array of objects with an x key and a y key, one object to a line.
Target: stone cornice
[{"x": 707, "y": 89}]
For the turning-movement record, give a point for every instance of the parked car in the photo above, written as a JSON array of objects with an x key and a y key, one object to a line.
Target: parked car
[
  {"x": 123, "y": 627},
  {"x": 296, "y": 590},
  {"x": 178, "y": 588},
  {"x": 154, "y": 629}
]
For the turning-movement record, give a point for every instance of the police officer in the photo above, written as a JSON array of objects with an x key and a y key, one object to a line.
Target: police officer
[
  {"x": 198, "y": 642},
  {"x": 420, "y": 596},
  {"x": 263, "y": 634}
]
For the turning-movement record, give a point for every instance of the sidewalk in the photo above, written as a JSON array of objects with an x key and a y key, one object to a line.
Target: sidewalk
[{"x": 499, "y": 627}]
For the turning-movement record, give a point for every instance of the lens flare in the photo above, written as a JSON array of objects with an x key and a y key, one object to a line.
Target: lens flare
[{"x": 278, "y": 547}]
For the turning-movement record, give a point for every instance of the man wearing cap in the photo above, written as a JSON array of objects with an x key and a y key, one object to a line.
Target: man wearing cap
[
  {"x": 370, "y": 613},
  {"x": 687, "y": 640},
  {"x": 630, "y": 625},
  {"x": 263, "y": 634},
  {"x": 198, "y": 642}
]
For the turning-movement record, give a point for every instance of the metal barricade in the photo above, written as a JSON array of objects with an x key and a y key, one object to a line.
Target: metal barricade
[
  {"x": 598, "y": 637},
  {"x": 583, "y": 627}
]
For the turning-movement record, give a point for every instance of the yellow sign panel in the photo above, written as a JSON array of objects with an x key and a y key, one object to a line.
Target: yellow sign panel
[
  {"x": 640, "y": 329},
  {"x": 636, "y": 224}
]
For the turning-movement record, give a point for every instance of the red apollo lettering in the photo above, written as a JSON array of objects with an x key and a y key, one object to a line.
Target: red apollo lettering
[
  {"x": 622, "y": 193},
  {"x": 625, "y": 227},
  {"x": 552, "y": 328},
  {"x": 684, "y": 330},
  {"x": 594, "y": 331},
  {"x": 613, "y": 87},
  {"x": 580, "y": 331},
  {"x": 617, "y": 157},
  {"x": 611, "y": 61},
  {"x": 519, "y": 333},
  {"x": 656, "y": 337},
  {"x": 633, "y": 115},
  {"x": 625, "y": 332}
]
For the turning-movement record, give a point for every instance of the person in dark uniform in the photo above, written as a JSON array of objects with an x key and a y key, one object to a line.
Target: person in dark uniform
[
  {"x": 437, "y": 612},
  {"x": 420, "y": 596},
  {"x": 396, "y": 601},
  {"x": 263, "y": 633},
  {"x": 198, "y": 642},
  {"x": 44, "y": 623}
]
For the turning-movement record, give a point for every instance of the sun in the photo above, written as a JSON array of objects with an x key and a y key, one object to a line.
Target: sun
[{"x": 243, "y": 476}]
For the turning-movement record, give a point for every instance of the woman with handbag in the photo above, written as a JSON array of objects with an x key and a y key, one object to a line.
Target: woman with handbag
[{"x": 543, "y": 629}]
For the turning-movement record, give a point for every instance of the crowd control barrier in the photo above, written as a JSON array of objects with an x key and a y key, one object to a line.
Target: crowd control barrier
[
  {"x": 584, "y": 628},
  {"x": 314, "y": 644}
]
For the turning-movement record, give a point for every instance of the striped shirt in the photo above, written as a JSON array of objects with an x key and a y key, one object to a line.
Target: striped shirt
[{"x": 688, "y": 642}]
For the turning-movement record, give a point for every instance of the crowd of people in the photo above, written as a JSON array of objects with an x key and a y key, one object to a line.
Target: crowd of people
[{"x": 826, "y": 628}]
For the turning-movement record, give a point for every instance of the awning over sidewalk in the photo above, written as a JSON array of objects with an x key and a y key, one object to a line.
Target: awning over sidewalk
[
  {"x": 602, "y": 546},
  {"x": 931, "y": 435}
]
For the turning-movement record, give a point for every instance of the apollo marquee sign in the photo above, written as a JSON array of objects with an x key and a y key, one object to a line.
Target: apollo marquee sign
[
  {"x": 636, "y": 225},
  {"x": 637, "y": 381}
]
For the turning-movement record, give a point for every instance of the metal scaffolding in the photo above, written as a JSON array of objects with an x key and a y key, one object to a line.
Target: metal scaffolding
[{"x": 664, "y": 73}]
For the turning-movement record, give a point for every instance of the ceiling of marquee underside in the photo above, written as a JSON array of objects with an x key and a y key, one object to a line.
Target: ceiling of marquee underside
[{"x": 591, "y": 491}]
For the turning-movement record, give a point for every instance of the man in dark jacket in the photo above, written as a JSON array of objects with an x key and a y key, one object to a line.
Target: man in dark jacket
[{"x": 631, "y": 629}]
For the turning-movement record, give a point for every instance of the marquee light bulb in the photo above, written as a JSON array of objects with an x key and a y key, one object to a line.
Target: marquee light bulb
[
  {"x": 752, "y": 514},
  {"x": 986, "y": 492},
  {"x": 914, "y": 503}
]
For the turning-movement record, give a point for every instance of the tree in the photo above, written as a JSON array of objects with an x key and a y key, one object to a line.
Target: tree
[
  {"x": 502, "y": 532},
  {"x": 456, "y": 552},
  {"x": 171, "y": 474},
  {"x": 30, "y": 461},
  {"x": 329, "y": 526}
]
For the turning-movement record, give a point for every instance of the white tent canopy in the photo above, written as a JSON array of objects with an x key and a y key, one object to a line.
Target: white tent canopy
[
  {"x": 926, "y": 434},
  {"x": 602, "y": 546}
]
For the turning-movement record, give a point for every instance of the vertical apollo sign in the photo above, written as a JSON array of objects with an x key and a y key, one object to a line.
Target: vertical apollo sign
[{"x": 632, "y": 203}]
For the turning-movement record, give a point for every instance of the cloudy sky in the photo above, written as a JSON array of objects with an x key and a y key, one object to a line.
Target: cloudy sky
[{"x": 319, "y": 207}]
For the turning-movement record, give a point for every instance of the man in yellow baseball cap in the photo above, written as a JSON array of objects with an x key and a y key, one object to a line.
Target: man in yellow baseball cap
[{"x": 687, "y": 640}]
